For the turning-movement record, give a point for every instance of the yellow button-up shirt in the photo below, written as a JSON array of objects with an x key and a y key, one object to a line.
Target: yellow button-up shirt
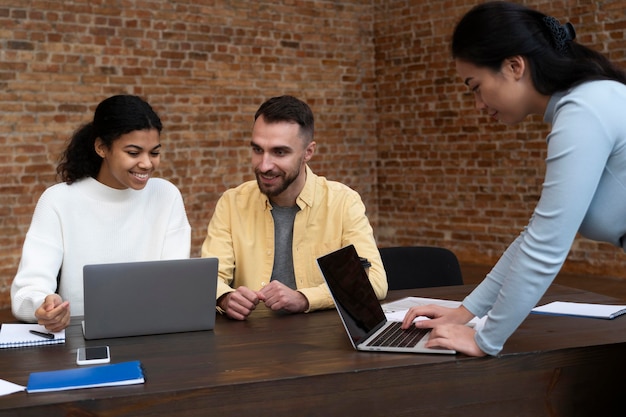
[{"x": 241, "y": 235}]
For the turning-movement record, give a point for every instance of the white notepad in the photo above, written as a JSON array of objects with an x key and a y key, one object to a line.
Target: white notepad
[
  {"x": 13, "y": 335},
  {"x": 598, "y": 311}
]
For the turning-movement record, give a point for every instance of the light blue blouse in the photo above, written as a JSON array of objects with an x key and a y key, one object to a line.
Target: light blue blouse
[{"x": 584, "y": 191}]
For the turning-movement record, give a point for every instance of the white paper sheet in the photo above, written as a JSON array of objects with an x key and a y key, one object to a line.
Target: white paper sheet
[
  {"x": 599, "y": 311},
  {"x": 396, "y": 310},
  {"x": 7, "y": 387}
]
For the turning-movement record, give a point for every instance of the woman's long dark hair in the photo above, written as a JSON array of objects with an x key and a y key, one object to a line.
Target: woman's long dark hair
[
  {"x": 114, "y": 117},
  {"x": 494, "y": 31}
]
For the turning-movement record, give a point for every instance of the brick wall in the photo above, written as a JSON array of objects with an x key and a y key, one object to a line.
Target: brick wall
[
  {"x": 205, "y": 66},
  {"x": 392, "y": 119},
  {"x": 447, "y": 174}
]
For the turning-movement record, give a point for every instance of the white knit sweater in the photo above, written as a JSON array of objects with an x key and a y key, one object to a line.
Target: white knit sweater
[{"x": 87, "y": 223}]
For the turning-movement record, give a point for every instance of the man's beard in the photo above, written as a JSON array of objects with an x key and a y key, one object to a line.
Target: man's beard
[{"x": 287, "y": 180}]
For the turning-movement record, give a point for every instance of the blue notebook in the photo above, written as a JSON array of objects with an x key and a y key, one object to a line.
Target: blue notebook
[{"x": 124, "y": 373}]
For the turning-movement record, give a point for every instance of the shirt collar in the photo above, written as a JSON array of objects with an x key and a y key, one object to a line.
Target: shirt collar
[{"x": 307, "y": 195}]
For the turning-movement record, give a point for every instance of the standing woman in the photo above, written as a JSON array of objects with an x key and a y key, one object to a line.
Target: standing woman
[
  {"x": 518, "y": 62},
  {"x": 107, "y": 209}
]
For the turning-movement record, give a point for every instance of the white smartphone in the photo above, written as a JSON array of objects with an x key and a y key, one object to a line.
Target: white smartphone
[{"x": 93, "y": 355}]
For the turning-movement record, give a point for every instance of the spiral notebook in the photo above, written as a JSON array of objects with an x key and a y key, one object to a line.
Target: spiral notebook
[{"x": 15, "y": 335}]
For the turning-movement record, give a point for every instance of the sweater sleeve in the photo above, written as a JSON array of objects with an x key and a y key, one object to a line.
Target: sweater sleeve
[
  {"x": 578, "y": 149},
  {"x": 42, "y": 256}
]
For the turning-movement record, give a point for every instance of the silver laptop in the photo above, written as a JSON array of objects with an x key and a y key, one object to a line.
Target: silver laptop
[
  {"x": 360, "y": 310},
  {"x": 150, "y": 297}
]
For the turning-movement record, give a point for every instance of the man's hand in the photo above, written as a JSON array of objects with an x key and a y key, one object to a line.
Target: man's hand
[
  {"x": 53, "y": 313},
  {"x": 278, "y": 296},
  {"x": 238, "y": 304}
]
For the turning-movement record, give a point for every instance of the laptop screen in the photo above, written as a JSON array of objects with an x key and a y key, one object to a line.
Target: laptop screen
[{"x": 354, "y": 296}]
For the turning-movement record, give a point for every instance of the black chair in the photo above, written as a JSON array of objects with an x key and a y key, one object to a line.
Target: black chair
[{"x": 420, "y": 267}]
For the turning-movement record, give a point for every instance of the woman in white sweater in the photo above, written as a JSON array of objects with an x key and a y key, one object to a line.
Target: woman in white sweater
[{"x": 107, "y": 209}]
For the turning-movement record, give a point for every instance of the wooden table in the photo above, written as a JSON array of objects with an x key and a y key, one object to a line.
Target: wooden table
[{"x": 304, "y": 365}]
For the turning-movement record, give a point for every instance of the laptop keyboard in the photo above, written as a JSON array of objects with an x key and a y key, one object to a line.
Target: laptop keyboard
[{"x": 395, "y": 336}]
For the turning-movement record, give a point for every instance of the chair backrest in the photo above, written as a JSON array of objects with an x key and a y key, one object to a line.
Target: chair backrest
[{"x": 420, "y": 267}]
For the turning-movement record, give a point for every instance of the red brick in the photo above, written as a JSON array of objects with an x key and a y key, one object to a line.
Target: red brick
[{"x": 393, "y": 120}]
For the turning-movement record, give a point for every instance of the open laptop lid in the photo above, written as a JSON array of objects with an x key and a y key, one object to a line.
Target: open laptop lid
[
  {"x": 354, "y": 297},
  {"x": 150, "y": 297}
]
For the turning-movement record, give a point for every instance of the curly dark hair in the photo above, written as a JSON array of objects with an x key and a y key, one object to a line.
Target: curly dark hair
[{"x": 114, "y": 117}]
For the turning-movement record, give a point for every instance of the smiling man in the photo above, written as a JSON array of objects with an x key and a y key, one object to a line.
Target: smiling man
[{"x": 268, "y": 233}]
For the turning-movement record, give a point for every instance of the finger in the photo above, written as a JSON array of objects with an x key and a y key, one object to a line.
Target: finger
[
  {"x": 237, "y": 306},
  {"x": 235, "y": 315},
  {"x": 275, "y": 305},
  {"x": 237, "y": 312},
  {"x": 426, "y": 324},
  {"x": 440, "y": 338},
  {"x": 408, "y": 320},
  {"x": 57, "y": 327},
  {"x": 274, "y": 301},
  {"x": 51, "y": 302},
  {"x": 245, "y": 297},
  {"x": 242, "y": 306},
  {"x": 248, "y": 294},
  {"x": 62, "y": 311},
  {"x": 264, "y": 293},
  {"x": 439, "y": 342},
  {"x": 57, "y": 323},
  {"x": 47, "y": 317},
  {"x": 270, "y": 288},
  {"x": 61, "y": 308},
  {"x": 48, "y": 305}
]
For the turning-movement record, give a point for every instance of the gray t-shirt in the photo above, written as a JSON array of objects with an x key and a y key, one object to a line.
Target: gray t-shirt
[{"x": 283, "y": 245}]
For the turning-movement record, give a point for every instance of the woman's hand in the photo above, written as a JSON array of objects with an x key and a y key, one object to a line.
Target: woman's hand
[
  {"x": 449, "y": 330},
  {"x": 437, "y": 314},
  {"x": 54, "y": 313},
  {"x": 457, "y": 337}
]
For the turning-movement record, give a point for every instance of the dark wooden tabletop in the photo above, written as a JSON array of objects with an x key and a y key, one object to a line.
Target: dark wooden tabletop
[{"x": 278, "y": 365}]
